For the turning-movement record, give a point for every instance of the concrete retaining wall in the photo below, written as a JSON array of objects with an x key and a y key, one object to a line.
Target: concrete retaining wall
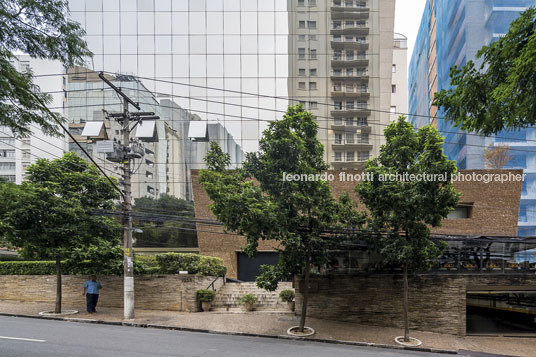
[{"x": 152, "y": 292}]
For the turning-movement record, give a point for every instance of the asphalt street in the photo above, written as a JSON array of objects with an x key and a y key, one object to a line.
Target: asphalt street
[{"x": 34, "y": 337}]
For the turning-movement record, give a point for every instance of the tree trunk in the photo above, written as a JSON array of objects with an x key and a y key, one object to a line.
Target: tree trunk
[
  {"x": 406, "y": 303},
  {"x": 57, "y": 310},
  {"x": 305, "y": 291}
]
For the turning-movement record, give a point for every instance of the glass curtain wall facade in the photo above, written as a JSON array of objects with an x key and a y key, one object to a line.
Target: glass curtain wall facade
[
  {"x": 88, "y": 97},
  {"x": 225, "y": 61},
  {"x": 451, "y": 33},
  {"x": 166, "y": 165}
]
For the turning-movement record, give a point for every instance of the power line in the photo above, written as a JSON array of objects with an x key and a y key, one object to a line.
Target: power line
[
  {"x": 45, "y": 108},
  {"x": 208, "y": 220},
  {"x": 282, "y": 111},
  {"x": 370, "y": 134},
  {"x": 196, "y": 163},
  {"x": 39, "y": 157},
  {"x": 327, "y": 129},
  {"x": 259, "y": 95},
  {"x": 212, "y": 220},
  {"x": 317, "y": 116},
  {"x": 253, "y": 94}
]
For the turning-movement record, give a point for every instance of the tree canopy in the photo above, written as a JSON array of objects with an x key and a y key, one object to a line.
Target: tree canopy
[
  {"x": 258, "y": 203},
  {"x": 500, "y": 93},
  {"x": 54, "y": 214},
  {"x": 402, "y": 209},
  {"x": 497, "y": 157},
  {"x": 41, "y": 29}
]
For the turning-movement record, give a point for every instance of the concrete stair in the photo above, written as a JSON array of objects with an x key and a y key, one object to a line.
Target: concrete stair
[{"x": 228, "y": 297}]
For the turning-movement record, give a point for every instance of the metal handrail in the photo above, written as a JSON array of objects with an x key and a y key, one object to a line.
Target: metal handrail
[{"x": 213, "y": 281}]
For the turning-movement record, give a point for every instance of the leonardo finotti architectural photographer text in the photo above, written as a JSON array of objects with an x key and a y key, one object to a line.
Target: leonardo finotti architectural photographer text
[{"x": 406, "y": 177}]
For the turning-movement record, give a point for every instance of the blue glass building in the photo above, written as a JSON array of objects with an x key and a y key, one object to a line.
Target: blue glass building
[{"x": 451, "y": 33}]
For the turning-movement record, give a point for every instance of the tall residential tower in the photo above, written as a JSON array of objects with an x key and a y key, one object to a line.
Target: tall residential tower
[
  {"x": 340, "y": 69},
  {"x": 399, "y": 88}
]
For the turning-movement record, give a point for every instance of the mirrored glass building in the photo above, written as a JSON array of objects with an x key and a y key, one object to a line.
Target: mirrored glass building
[
  {"x": 225, "y": 61},
  {"x": 451, "y": 33}
]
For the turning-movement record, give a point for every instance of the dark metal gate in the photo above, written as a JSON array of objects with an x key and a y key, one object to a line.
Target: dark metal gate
[{"x": 249, "y": 268}]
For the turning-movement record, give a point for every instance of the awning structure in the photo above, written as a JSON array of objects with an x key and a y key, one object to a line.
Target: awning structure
[
  {"x": 146, "y": 131},
  {"x": 95, "y": 130},
  {"x": 198, "y": 131}
]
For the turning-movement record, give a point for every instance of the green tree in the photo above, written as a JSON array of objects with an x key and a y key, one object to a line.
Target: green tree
[
  {"x": 103, "y": 256},
  {"x": 41, "y": 29},
  {"x": 402, "y": 210},
  {"x": 8, "y": 191},
  {"x": 259, "y": 204},
  {"x": 501, "y": 92},
  {"x": 53, "y": 213},
  {"x": 166, "y": 222}
]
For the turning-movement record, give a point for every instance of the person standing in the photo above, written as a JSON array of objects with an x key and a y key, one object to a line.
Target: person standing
[{"x": 91, "y": 291}]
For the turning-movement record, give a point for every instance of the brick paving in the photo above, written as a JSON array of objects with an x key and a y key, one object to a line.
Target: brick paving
[{"x": 277, "y": 323}]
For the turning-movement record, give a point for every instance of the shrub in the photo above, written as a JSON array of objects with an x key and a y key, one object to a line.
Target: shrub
[
  {"x": 287, "y": 295},
  {"x": 11, "y": 258},
  {"x": 148, "y": 261},
  {"x": 106, "y": 258},
  {"x": 248, "y": 299},
  {"x": 173, "y": 263},
  {"x": 152, "y": 270},
  {"x": 87, "y": 267},
  {"x": 27, "y": 268},
  {"x": 45, "y": 267},
  {"x": 211, "y": 266},
  {"x": 204, "y": 295},
  {"x": 169, "y": 263}
]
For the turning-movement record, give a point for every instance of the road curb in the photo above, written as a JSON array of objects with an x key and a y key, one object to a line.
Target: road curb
[{"x": 231, "y": 333}]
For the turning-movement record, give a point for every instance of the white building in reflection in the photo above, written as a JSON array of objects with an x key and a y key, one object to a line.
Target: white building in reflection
[
  {"x": 166, "y": 164},
  {"x": 16, "y": 154}
]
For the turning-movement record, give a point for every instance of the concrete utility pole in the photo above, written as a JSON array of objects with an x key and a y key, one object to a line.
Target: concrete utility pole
[
  {"x": 129, "y": 152},
  {"x": 128, "y": 262}
]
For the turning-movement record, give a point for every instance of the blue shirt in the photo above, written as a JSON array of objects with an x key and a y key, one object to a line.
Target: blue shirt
[{"x": 92, "y": 287}]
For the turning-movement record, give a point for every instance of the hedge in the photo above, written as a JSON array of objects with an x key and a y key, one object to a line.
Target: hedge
[
  {"x": 168, "y": 263},
  {"x": 173, "y": 263},
  {"x": 152, "y": 271},
  {"x": 211, "y": 266},
  {"x": 148, "y": 261},
  {"x": 46, "y": 267},
  {"x": 28, "y": 268},
  {"x": 10, "y": 258}
]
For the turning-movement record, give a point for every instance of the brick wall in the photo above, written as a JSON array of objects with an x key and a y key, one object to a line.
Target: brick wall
[
  {"x": 212, "y": 241},
  {"x": 495, "y": 204},
  {"x": 152, "y": 292},
  {"x": 436, "y": 302},
  {"x": 495, "y": 207},
  {"x": 495, "y": 212}
]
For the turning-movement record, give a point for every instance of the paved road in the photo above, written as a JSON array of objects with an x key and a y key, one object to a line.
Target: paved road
[{"x": 43, "y": 338}]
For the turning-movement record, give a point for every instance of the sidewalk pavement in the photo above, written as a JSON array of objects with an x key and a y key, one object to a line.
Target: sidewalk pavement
[{"x": 276, "y": 324}]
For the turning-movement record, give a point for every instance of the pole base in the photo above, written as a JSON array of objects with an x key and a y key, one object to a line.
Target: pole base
[{"x": 129, "y": 298}]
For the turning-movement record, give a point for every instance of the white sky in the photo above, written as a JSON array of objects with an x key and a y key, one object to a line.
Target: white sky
[{"x": 408, "y": 16}]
